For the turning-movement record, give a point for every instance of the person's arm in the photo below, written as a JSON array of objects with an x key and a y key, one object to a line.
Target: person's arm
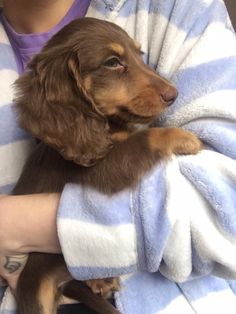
[
  {"x": 27, "y": 224},
  {"x": 176, "y": 221},
  {"x": 181, "y": 218},
  {"x": 23, "y": 219}
]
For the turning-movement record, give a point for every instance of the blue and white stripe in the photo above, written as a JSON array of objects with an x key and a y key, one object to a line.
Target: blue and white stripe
[{"x": 15, "y": 145}]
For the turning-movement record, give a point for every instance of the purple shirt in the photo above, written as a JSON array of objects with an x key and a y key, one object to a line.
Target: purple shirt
[{"x": 27, "y": 45}]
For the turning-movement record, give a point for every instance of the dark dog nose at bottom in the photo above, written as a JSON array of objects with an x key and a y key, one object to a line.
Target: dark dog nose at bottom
[{"x": 169, "y": 95}]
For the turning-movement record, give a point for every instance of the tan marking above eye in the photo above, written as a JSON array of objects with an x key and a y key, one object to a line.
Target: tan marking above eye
[
  {"x": 137, "y": 44},
  {"x": 117, "y": 48},
  {"x": 120, "y": 136}
]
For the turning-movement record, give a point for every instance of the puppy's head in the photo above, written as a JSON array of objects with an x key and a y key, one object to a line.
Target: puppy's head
[{"x": 89, "y": 73}]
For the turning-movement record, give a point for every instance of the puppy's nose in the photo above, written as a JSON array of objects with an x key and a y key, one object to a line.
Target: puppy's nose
[{"x": 169, "y": 95}]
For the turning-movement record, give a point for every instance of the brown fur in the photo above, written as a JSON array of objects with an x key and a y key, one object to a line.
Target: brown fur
[{"x": 82, "y": 96}]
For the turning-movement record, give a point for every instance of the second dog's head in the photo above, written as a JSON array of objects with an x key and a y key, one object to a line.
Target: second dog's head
[{"x": 89, "y": 73}]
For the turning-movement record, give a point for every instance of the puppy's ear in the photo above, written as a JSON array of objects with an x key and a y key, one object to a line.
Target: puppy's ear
[{"x": 53, "y": 106}]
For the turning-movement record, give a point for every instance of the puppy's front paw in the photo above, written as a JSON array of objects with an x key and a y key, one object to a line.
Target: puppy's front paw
[
  {"x": 104, "y": 287},
  {"x": 186, "y": 142}
]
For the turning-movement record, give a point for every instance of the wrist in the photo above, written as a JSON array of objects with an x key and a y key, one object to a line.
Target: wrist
[{"x": 8, "y": 242}]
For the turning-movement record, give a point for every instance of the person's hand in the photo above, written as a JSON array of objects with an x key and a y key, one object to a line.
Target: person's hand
[{"x": 27, "y": 224}]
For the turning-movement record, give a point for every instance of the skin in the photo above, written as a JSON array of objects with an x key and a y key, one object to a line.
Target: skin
[
  {"x": 36, "y": 232},
  {"x": 35, "y": 16}
]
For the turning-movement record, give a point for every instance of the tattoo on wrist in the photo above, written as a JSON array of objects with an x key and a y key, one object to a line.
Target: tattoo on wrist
[{"x": 14, "y": 263}]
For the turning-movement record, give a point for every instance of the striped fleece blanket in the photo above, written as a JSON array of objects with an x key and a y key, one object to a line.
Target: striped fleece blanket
[{"x": 173, "y": 238}]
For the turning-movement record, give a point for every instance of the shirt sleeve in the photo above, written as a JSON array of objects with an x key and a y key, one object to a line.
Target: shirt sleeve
[{"x": 178, "y": 221}]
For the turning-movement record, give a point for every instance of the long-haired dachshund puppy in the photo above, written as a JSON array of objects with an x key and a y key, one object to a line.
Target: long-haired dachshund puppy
[{"x": 83, "y": 97}]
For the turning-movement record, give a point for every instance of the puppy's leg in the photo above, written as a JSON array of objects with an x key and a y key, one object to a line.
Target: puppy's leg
[
  {"x": 48, "y": 296},
  {"x": 104, "y": 287},
  {"x": 133, "y": 156},
  {"x": 37, "y": 288},
  {"x": 39, "y": 298},
  {"x": 167, "y": 141},
  {"x": 78, "y": 290}
]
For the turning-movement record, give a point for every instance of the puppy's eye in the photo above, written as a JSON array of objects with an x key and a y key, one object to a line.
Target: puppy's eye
[{"x": 113, "y": 62}]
